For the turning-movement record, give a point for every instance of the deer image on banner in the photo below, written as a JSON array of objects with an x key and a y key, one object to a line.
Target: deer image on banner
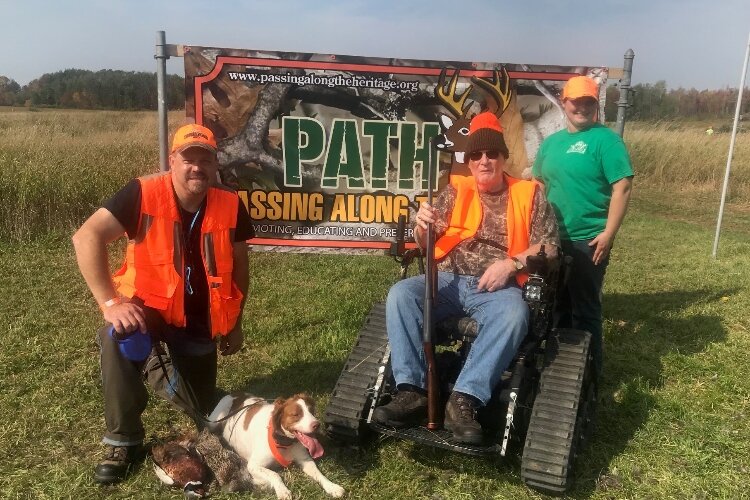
[{"x": 500, "y": 99}]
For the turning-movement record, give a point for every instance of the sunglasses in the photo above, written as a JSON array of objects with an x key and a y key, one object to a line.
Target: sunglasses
[{"x": 491, "y": 155}]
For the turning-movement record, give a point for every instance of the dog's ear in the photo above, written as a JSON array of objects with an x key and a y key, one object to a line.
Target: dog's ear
[{"x": 276, "y": 414}]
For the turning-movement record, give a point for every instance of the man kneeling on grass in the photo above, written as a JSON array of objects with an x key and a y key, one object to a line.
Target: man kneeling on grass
[
  {"x": 182, "y": 285},
  {"x": 487, "y": 224}
]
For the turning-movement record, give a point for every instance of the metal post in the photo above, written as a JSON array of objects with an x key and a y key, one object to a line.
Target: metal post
[
  {"x": 622, "y": 104},
  {"x": 731, "y": 149},
  {"x": 161, "y": 92}
]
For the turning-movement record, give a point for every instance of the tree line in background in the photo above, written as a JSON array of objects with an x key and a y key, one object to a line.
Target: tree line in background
[
  {"x": 656, "y": 102},
  {"x": 114, "y": 89},
  {"x": 84, "y": 89}
]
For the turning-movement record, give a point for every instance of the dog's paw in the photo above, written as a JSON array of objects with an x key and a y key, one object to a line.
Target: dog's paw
[
  {"x": 283, "y": 493},
  {"x": 335, "y": 490}
]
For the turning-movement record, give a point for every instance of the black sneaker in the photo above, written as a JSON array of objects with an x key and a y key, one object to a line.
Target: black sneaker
[
  {"x": 461, "y": 418},
  {"x": 116, "y": 464},
  {"x": 408, "y": 406}
]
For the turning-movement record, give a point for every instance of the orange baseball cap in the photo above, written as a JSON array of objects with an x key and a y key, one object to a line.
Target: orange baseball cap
[
  {"x": 193, "y": 135},
  {"x": 580, "y": 86}
]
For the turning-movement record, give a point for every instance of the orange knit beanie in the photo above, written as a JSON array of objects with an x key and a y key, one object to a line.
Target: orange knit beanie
[{"x": 486, "y": 134}]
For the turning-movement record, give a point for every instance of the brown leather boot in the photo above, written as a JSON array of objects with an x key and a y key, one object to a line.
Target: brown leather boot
[
  {"x": 116, "y": 464},
  {"x": 407, "y": 407},
  {"x": 461, "y": 418}
]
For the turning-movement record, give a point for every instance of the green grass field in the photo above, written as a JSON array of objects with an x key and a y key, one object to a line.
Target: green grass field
[{"x": 674, "y": 399}]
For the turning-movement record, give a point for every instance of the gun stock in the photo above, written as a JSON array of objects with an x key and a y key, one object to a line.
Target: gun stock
[{"x": 433, "y": 389}]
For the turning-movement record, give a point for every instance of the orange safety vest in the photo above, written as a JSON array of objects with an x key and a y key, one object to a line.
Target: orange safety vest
[
  {"x": 154, "y": 266},
  {"x": 466, "y": 216}
]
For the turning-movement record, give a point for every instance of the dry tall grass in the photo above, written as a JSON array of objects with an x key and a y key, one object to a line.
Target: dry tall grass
[
  {"x": 678, "y": 157},
  {"x": 57, "y": 166}
]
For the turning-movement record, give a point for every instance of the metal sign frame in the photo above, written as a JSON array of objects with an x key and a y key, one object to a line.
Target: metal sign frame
[{"x": 164, "y": 51}]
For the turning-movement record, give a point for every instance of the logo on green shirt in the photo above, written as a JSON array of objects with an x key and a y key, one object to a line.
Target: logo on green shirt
[{"x": 579, "y": 147}]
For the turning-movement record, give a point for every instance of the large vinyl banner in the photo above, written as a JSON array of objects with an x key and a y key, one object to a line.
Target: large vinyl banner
[{"x": 327, "y": 151}]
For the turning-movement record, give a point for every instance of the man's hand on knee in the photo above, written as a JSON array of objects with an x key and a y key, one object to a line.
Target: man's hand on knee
[
  {"x": 126, "y": 317},
  {"x": 496, "y": 276}
]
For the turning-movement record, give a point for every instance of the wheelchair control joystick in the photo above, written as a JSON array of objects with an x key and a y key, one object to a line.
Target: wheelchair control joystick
[{"x": 538, "y": 264}]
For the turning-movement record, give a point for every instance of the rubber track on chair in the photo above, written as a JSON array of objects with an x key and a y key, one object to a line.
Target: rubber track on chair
[
  {"x": 552, "y": 435},
  {"x": 352, "y": 395}
]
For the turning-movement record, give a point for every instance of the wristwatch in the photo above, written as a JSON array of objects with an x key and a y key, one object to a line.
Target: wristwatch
[{"x": 516, "y": 262}]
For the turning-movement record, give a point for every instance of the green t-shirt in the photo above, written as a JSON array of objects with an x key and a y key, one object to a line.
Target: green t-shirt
[{"x": 578, "y": 170}]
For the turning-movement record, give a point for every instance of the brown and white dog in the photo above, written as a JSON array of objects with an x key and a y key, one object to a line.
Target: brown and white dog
[{"x": 268, "y": 435}]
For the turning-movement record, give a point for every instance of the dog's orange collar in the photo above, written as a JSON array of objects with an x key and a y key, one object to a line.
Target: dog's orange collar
[{"x": 275, "y": 448}]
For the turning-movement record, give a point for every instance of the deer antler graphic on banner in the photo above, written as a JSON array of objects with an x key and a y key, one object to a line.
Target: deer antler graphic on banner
[{"x": 455, "y": 125}]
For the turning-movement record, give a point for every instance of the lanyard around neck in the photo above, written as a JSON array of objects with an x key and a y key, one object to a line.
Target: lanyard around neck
[
  {"x": 192, "y": 223},
  {"x": 188, "y": 251}
]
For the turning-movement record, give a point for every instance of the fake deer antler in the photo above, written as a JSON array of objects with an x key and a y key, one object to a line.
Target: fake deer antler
[
  {"x": 454, "y": 103},
  {"x": 498, "y": 88}
]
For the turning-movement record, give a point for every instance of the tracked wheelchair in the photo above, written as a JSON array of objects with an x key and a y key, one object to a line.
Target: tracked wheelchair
[{"x": 543, "y": 406}]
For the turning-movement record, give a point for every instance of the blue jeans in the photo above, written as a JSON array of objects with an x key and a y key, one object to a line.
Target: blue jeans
[
  {"x": 502, "y": 318},
  {"x": 579, "y": 305}
]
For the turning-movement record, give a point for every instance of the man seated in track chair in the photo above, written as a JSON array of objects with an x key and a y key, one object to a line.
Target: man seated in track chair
[{"x": 486, "y": 225}]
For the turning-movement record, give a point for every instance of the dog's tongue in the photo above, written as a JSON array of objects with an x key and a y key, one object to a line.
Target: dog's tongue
[{"x": 312, "y": 444}]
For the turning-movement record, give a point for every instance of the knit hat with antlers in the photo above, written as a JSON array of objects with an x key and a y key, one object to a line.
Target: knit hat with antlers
[{"x": 486, "y": 134}]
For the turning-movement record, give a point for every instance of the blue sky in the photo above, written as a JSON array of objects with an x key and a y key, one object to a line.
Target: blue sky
[{"x": 688, "y": 43}]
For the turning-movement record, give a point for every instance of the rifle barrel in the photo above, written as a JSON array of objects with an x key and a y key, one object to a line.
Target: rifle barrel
[{"x": 433, "y": 386}]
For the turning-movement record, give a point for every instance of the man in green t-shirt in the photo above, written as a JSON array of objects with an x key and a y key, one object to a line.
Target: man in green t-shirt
[{"x": 587, "y": 174}]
